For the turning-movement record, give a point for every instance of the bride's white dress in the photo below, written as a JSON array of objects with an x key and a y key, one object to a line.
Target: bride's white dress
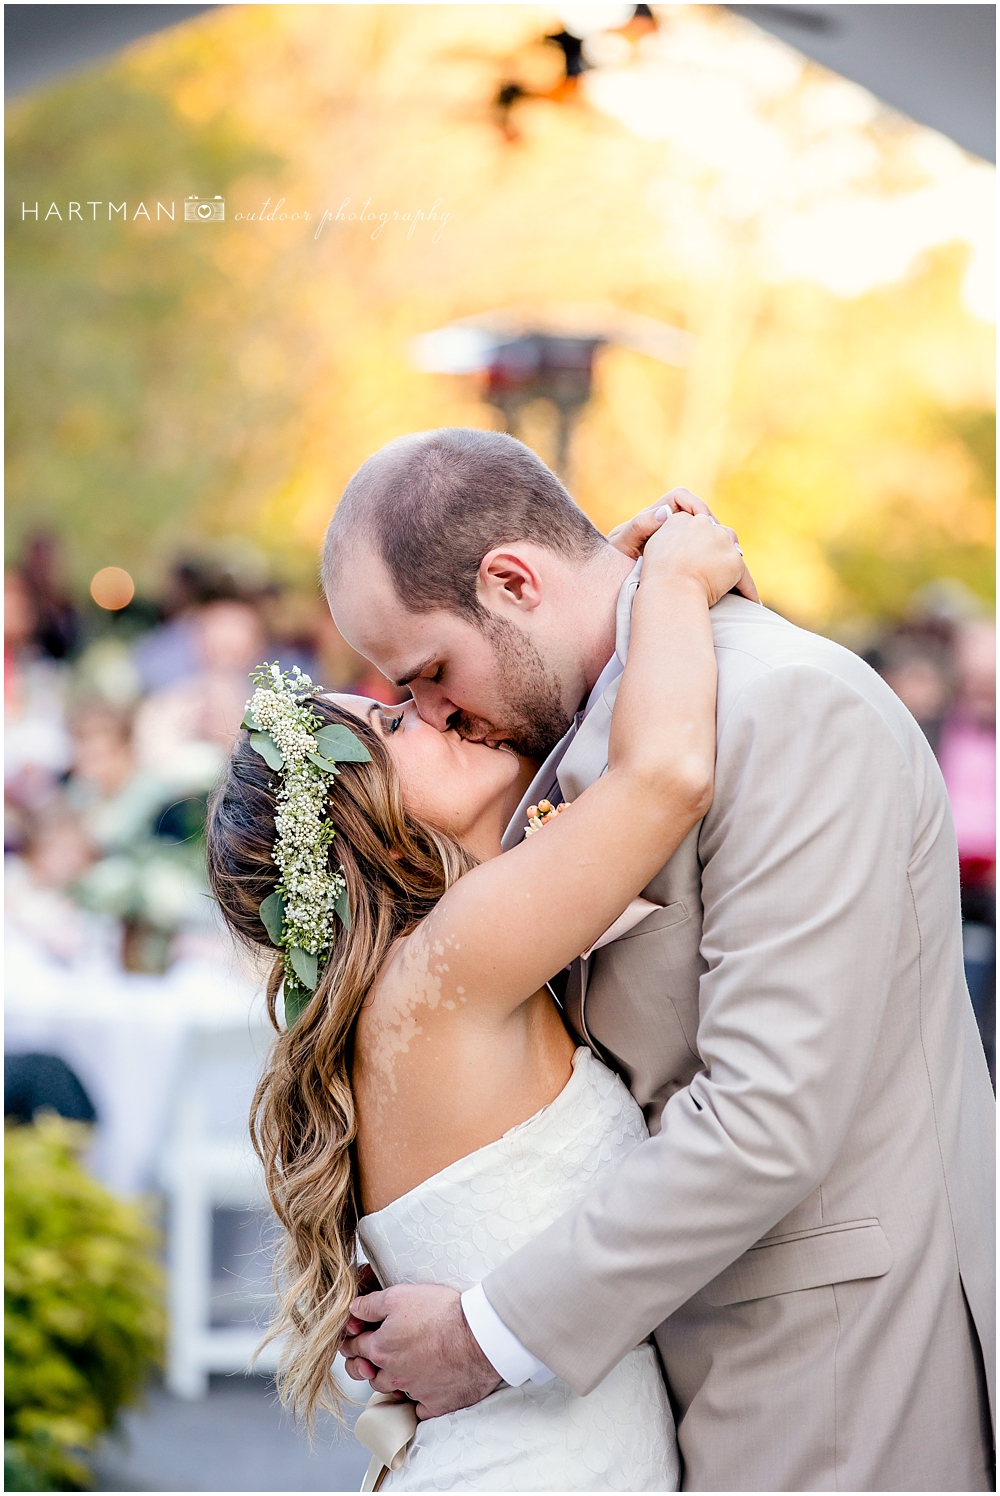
[{"x": 457, "y": 1227}]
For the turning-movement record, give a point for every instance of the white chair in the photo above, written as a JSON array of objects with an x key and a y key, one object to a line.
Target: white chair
[{"x": 207, "y": 1163}]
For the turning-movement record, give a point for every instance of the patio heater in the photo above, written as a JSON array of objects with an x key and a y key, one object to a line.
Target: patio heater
[
  {"x": 541, "y": 367},
  {"x": 528, "y": 354}
]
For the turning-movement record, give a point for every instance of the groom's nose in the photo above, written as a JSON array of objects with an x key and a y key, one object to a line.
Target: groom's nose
[{"x": 432, "y": 704}]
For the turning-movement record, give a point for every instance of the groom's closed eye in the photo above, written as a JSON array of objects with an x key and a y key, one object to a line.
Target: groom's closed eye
[{"x": 418, "y": 673}]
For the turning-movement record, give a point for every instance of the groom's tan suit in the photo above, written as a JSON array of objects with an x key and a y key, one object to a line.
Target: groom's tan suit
[{"x": 809, "y": 1230}]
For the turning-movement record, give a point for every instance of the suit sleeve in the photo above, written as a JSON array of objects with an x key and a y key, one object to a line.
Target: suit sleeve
[{"x": 804, "y": 870}]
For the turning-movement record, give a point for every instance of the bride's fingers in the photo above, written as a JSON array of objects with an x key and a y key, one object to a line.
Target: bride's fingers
[
  {"x": 683, "y": 498},
  {"x": 689, "y": 503},
  {"x": 746, "y": 584},
  {"x": 748, "y": 587},
  {"x": 630, "y": 538},
  {"x": 358, "y": 1369}
]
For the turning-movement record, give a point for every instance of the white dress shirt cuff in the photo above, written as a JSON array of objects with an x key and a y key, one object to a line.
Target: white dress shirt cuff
[{"x": 502, "y": 1349}]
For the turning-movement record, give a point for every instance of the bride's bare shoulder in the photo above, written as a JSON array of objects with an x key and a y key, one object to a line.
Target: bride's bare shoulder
[{"x": 410, "y": 988}]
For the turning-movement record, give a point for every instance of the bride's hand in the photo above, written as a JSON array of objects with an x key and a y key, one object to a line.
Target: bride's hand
[
  {"x": 630, "y": 538},
  {"x": 697, "y": 547}
]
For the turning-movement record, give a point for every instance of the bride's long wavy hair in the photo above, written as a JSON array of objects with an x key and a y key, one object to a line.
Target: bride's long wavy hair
[{"x": 303, "y": 1120}]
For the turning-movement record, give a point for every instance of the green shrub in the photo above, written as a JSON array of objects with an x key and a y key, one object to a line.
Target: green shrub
[{"x": 82, "y": 1292}]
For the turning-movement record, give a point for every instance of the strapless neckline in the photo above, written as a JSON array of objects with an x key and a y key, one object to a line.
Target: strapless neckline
[
  {"x": 457, "y": 1227},
  {"x": 471, "y": 1163}
]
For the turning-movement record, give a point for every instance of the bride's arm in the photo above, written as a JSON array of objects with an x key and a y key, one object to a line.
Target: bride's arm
[{"x": 511, "y": 923}]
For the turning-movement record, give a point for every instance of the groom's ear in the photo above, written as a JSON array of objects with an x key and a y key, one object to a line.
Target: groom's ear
[{"x": 508, "y": 579}]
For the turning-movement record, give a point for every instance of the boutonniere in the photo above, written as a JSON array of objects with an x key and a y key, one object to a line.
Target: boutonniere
[{"x": 541, "y": 814}]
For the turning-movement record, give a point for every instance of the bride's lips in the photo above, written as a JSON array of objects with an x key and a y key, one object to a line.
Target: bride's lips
[{"x": 496, "y": 745}]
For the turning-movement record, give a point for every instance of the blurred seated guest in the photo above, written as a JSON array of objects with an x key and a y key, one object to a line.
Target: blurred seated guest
[
  {"x": 43, "y": 1083},
  {"x": 290, "y": 622},
  {"x": 968, "y": 751},
  {"x": 338, "y": 666},
  {"x": 207, "y": 707},
  {"x": 36, "y": 745},
  {"x": 38, "y": 905},
  {"x": 919, "y": 670},
  {"x": 116, "y": 800},
  {"x": 169, "y": 652},
  {"x": 57, "y": 624},
  {"x": 968, "y": 755}
]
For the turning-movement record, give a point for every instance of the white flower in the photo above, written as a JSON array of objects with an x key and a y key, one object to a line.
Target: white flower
[{"x": 304, "y": 833}]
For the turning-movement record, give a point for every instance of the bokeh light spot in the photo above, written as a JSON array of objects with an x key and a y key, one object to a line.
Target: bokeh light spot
[{"x": 112, "y": 588}]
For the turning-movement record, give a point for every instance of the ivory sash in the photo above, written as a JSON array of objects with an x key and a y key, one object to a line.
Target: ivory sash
[{"x": 385, "y": 1427}]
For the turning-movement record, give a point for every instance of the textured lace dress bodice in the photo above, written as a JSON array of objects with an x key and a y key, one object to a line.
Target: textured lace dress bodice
[{"x": 458, "y": 1226}]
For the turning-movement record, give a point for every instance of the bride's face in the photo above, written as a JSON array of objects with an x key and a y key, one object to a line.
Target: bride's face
[{"x": 462, "y": 788}]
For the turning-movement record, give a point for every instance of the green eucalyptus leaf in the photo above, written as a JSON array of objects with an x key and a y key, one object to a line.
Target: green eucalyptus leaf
[
  {"x": 337, "y": 742},
  {"x": 343, "y": 908},
  {"x": 272, "y": 916},
  {"x": 264, "y": 744},
  {"x": 326, "y": 764},
  {"x": 305, "y": 966},
  {"x": 250, "y": 721},
  {"x": 297, "y": 999}
]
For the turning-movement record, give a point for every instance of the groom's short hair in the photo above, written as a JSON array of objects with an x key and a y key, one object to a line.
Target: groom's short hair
[{"x": 435, "y": 503}]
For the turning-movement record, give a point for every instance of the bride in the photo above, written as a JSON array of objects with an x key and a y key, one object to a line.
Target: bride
[{"x": 424, "y": 1095}]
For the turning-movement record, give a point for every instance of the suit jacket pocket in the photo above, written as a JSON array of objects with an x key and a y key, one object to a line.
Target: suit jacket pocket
[
  {"x": 660, "y": 919},
  {"x": 803, "y": 1259}
]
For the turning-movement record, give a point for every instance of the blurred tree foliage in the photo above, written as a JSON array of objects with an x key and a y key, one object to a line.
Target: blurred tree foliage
[
  {"x": 172, "y": 382},
  {"x": 851, "y": 475},
  {"x": 83, "y": 1317},
  {"x": 123, "y": 422}
]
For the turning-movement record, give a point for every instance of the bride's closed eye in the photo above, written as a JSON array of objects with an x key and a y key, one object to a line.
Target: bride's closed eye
[{"x": 391, "y": 723}]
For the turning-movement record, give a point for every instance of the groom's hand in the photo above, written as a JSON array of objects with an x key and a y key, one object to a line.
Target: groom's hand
[
  {"x": 415, "y": 1339},
  {"x": 630, "y": 538}
]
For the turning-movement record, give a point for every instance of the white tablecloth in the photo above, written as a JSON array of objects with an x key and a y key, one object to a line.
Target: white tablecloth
[{"x": 124, "y": 1036}]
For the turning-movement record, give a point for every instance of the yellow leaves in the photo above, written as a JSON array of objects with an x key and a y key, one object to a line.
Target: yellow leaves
[
  {"x": 83, "y": 428},
  {"x": 817, "y": 425}
]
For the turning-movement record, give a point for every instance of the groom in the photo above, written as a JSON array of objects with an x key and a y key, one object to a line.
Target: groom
[{"x": 807, "y": 1231}]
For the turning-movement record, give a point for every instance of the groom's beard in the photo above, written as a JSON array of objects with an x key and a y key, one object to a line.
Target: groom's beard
[{"x": 534, "y": 716}]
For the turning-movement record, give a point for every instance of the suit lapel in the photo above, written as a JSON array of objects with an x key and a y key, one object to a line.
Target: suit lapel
[
  {"x": 581, "y": 757},
  {"x": 572, "y": 998},
  {"x": 576, "y": 761},
  {"x": 586, "y": 758},
  {"x": 541, "y": 788}
]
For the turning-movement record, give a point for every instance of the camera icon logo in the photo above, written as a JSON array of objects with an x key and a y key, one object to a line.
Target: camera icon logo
[{"x": 204, "y": 210}]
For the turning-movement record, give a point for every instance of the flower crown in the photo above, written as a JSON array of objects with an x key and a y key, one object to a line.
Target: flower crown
[{"x": 293, "y": 740}]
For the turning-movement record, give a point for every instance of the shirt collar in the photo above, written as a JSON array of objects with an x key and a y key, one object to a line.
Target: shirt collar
[{"x": 623, "y": 624}]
